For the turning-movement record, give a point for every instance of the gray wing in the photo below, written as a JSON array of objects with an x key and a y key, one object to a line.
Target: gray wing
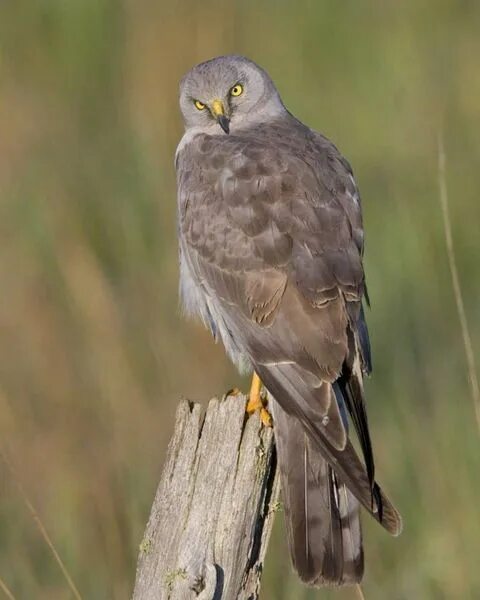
[{"x": 272, "y": 233}]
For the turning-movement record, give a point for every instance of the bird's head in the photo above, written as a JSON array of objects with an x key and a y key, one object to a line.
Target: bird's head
[{"x": 229, "y": 91}]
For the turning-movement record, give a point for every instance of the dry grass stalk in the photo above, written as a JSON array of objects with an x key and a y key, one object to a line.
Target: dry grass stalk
[
  {"x": 467, "y": 342},
  {"x": 5, "y": 590},
  {"x": 359, "y": 592},
  {"x": 41, "y": 528}
]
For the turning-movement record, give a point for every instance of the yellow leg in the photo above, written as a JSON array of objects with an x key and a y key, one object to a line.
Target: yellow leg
[
  {"x": 254, "y": 397},
  {"x": 255, "y": 401}
]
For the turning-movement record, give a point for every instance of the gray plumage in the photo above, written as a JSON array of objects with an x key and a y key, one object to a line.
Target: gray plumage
[{"x": 271, "y": 244}]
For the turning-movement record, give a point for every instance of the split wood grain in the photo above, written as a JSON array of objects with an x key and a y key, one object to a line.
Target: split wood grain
[{"x": 211, "y": 519}]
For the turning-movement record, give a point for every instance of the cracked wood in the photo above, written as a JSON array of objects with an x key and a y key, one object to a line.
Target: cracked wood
[{"x": 211, "y": 519}]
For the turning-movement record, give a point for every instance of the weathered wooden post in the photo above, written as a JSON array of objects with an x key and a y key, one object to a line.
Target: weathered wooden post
[{"x": 212, "y": 515}]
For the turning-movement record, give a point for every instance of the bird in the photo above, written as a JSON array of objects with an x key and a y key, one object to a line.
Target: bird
[{"x": 271, "y": 249}]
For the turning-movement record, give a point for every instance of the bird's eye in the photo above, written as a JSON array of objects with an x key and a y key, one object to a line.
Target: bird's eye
[
  {"x": 237, "y": 90},
  {"x": 199, "y": 105}
]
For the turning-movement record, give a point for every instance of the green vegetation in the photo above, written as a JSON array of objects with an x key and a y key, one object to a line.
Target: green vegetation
[{"x": 94, "y": 354}]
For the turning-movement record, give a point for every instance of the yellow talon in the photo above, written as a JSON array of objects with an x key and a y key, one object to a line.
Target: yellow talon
[
  {"x": 255, "y": 395},
  {"x": 255, "y": 401},
  {"x": 266, "y": 417}
]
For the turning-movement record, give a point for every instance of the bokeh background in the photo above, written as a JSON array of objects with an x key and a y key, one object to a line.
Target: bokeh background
[{"x": 94, "y": 354}]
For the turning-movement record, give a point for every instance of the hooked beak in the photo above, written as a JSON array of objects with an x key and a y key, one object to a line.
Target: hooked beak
[{"x": 218, "y": 112}]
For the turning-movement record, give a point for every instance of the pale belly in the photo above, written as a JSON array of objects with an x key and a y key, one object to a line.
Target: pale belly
[{"x": 197, "y": 302}]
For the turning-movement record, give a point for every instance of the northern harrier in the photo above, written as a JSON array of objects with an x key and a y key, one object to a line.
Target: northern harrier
[{"x": 271, "y": 245}]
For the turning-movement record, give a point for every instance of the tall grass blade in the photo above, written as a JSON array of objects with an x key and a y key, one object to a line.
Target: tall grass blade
[
  {"x": 457, "y": 290},
  {"x": 5, "y": 590},
  {"x": 41, "y": 527}
]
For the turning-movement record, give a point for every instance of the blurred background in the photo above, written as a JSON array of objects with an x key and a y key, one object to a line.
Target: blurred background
[{"x": 94, "y": 354}]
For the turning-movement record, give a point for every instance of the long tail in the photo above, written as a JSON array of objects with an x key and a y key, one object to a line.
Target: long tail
[
  {"x": 292, "y": 392},
  {"x": 322, "y": 516},
  {"x": 323, "y": 485}
]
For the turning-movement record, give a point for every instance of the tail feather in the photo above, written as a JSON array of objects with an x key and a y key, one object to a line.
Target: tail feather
[
  {"x": 322, "y": 515},
  {"x": 345, "y": 462}
]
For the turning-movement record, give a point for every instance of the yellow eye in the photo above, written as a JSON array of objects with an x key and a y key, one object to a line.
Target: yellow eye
[
  {"x": 236, "y": 90},
  {"x": 199, "y": 105}
]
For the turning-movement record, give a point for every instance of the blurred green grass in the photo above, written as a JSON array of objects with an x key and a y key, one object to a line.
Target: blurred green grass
[{"x": 93, "y": 352}]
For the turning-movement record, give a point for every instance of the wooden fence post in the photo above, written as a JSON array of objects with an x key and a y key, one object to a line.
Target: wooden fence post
[{"x": 212, "y": 515}]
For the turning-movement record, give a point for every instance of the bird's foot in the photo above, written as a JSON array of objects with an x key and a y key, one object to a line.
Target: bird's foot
[
  {"x": 256, "y": 401},
  {"x": 266, "y": 417}
]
